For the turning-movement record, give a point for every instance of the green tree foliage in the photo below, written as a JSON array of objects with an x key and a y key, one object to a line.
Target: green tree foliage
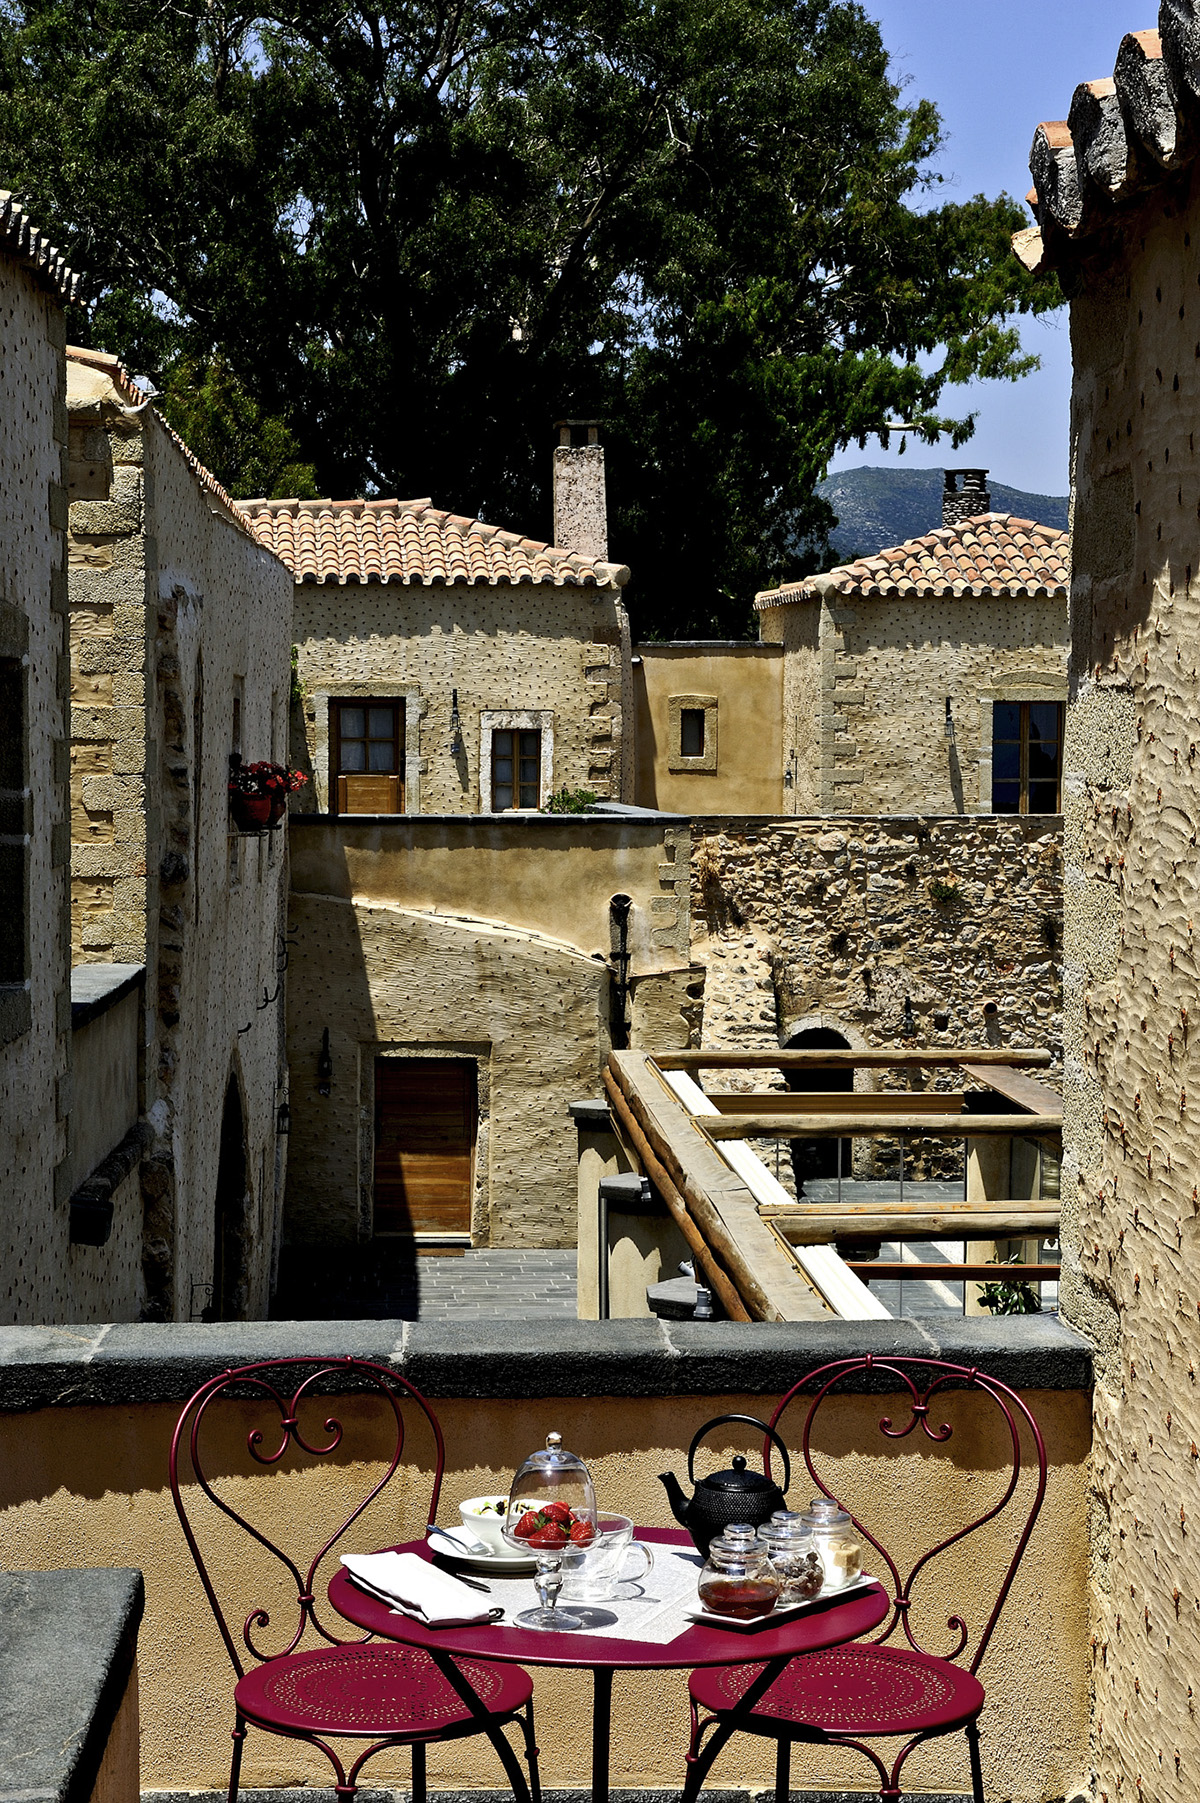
[{"x": 410, "y": 236}]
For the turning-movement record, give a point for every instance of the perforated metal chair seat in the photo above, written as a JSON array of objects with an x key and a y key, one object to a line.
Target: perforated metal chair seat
[
  {"x": 371, "y": 1690},
  {"x": 856, "y": 1690}
]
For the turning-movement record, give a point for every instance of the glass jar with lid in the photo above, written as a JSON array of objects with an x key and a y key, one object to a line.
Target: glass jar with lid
[
  {"x": 551, "y": 1506},
  {"x": 793, "y": 1554},
  {"x": 836, "y": 1541},
  {"x": 738, "y": 1578}
]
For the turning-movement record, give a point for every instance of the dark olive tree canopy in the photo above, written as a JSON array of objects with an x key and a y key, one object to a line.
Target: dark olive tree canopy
[{"x": 382, "y": 248}]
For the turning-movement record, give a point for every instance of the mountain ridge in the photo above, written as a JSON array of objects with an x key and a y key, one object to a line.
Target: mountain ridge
[{"x": 879, "y": 507}]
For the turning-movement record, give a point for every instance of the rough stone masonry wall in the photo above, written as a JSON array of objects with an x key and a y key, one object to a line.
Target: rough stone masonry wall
[
  {"x": 177, "y": 613},
  {"x": 35, "y": 1016},
  {"x": 1131, "y": 1214},
  {"x": 832, "y": 923},
  {"x": 533, "y": 648}
]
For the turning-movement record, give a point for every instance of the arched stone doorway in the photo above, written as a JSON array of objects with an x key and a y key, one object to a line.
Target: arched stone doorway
[
  {"x": 230, "y": 1214},
  {"x": 817, "y": 1158}
]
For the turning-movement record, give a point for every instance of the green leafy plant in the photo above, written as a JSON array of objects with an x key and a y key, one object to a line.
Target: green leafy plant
[
  {"x": 944, "y": 893},
  {"x": 299, "y": 691},
  {"x": 1010, "y": 1298},
  {"x": 570, "y": 801}
]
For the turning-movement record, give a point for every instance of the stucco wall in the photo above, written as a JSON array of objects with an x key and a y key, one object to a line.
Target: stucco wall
[
  {"x": 35, "y": 1013},
  {"x": 486, "y": 940},
  {"x": 1130, "y": 1216},
  {"x": 886, "y": 670},
  {"x": 528, "y": 648},
  {"x": 97, "y": 1493},
  {"x": 177, "y": 614},
  {"x": 746, "y": 683},
  {"x": 105, "y": 1090}
]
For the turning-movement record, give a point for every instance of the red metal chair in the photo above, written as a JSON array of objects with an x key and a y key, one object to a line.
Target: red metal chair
[
  {"x": 393, "y": 1696},
  {"x": 868, "y": 1690}
]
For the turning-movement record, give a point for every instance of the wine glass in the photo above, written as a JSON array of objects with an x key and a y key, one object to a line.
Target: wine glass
[{"x": 551, "y": 1506}]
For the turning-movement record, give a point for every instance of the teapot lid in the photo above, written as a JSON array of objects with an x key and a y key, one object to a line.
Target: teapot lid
[{"x": 738, "y": 1479}]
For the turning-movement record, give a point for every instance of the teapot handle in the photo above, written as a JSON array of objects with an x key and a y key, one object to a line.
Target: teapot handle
[{"x": 750, "y": 1421}]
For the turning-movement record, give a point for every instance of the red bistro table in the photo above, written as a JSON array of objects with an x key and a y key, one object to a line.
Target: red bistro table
[{"x": 829, "y": 1624}]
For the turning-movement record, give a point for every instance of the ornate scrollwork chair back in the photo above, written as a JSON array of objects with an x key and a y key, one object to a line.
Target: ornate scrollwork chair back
[
  {"x": 923, "y": 1382},
  {"x": 284, "y": 1411},
  {"x": 893, "y": 1685},
  {"x": 291, "y": 1403}
]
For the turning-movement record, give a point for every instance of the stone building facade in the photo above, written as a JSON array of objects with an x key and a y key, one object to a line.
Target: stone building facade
[
  {"x": 708, "y": 723},
  {"x": 458, "y": 648},
  {"x": 180, "y": 626},
  {"x": 1118, "y": 208},
  {"x": 36, "y": 1278},
  {"x": 900, "y": 669},
  {"x": 463, "y": 968}
]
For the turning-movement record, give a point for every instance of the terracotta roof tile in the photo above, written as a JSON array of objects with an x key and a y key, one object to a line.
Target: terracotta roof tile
[
  {"x": 111, "y": 367},
  {"x": 413, "y": 542},
  {"x": 992, "y": 554},
  {"x": 23, "y": 240},
  {"x": 1124, "y": 135}
]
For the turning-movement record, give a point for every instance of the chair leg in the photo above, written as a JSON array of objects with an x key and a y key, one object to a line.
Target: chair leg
[
  {"x": 976, "y": 1767},
  {"x": 235, "y": 1768},
  {"x": 418, "y": 1772},
  {"x": 531, "y": 1753},
  {"x": 783, "y": 1770}
]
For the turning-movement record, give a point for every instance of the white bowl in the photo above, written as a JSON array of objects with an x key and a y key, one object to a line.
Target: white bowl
[{"x": 489, "y": 1527}]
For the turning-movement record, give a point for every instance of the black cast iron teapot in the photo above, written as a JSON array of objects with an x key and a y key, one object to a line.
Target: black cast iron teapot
[{"x": 726, "y": 1496}]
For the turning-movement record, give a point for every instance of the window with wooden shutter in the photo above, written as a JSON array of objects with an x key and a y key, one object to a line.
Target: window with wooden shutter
[{"x": 367, "y": 756}]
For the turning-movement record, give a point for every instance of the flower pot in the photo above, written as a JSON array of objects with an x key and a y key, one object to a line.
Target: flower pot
[
  {"x": 278, "y": 799},
  {"x": 251, "y": 813}
]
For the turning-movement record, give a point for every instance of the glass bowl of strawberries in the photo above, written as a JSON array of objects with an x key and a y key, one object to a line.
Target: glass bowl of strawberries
[{"x": 551, "y": 1507}]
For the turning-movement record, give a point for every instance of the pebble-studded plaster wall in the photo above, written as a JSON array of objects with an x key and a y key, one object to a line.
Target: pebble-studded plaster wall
[
  {"x": 831, "y": 923},
  {"x": 530, "y": 647},
  {"x": 181, "y": 626},
  {"x": 35, "y": 1016},
  {"x": 866, "y": 690},
  {"x": 1131, "y": 1218}
]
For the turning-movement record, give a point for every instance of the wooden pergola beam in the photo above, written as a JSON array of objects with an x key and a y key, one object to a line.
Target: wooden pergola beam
[
  {"x": 838, "y": 1058},
  {"x": 917, "y": 1224},
  {"x": 862, "y": 1126}
]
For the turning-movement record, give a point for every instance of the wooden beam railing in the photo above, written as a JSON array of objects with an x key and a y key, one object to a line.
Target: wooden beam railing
[
  {"x": 860, "y": 1126},
  {"x": 841, "y": 1058}
]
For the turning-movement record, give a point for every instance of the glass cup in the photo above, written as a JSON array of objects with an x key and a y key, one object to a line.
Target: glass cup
[{"x": 592, "y": 1574}]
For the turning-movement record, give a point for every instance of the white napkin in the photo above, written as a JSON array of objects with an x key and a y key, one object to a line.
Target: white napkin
[{"x": 417, "y": 1589}]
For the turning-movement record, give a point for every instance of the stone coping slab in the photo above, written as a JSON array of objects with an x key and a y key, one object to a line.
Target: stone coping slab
[
  {"x": 67, "y": 1646},
  {"x": 63, "y": 1367}
]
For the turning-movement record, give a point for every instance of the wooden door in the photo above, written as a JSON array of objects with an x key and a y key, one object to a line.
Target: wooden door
[{"x": 425, "y": 1114}]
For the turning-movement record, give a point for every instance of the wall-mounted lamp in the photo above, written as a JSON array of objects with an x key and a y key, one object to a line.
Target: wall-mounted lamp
[
  {"x": 949, "y": 721},
  {"x": 283, "y": 1120},
  {"x": 789, "y": 775},
  {"x": 908, "y": 1020},
  {"x": 324, "y": 1066},
  {"x": 456, "y": 738}
]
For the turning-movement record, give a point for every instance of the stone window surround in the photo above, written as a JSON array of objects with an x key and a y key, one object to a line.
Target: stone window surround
[
  {"x": 377, "y": 690},
  {"x": 471, "y": 1051},
  {"x": 521, "y": 720},
  {"x": 706, "y": 763},
  {"x": 1020, "y": 686}
]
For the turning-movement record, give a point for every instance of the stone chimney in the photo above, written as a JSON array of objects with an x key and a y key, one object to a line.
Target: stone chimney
[
  {"x": 580, "y": 503},
  {"x": 964, "y": 503}
]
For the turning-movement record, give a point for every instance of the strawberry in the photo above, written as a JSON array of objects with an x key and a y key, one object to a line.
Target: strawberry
[
  {"x": 527, "y": 1527},
  {"x": 557, "y": 1512},
  {"x": 553, "y": 1534},
  {"x": 582, "y": 1533}
]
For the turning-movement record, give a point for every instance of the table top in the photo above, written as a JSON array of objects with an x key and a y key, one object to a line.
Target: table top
[{"x": 827, "y": 1623}]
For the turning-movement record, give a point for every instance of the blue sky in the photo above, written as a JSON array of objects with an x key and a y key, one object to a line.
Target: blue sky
[{"x": 994, "y": 68}]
